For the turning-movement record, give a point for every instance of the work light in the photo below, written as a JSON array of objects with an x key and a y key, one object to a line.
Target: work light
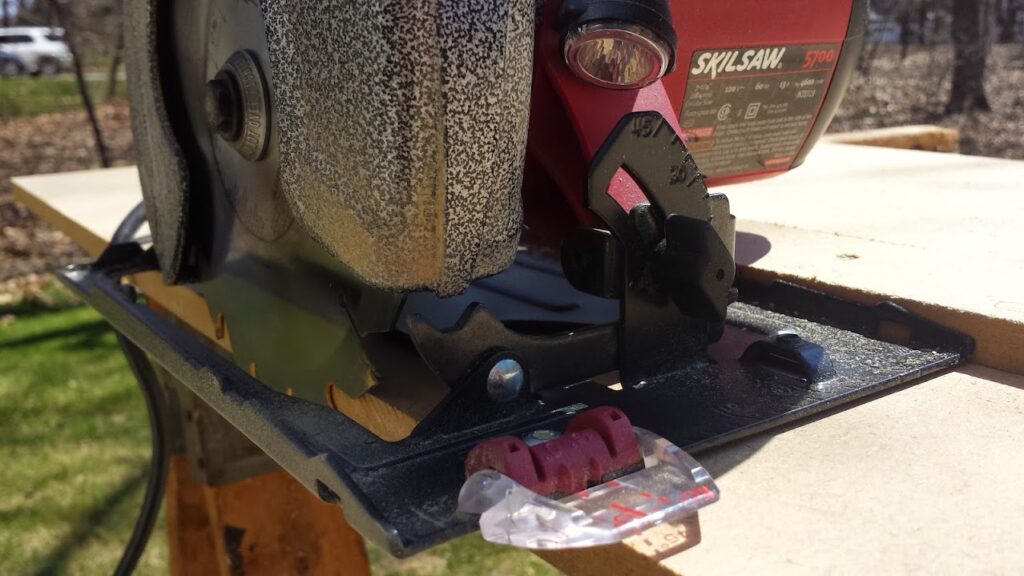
[{"x": 616, "y": 55}]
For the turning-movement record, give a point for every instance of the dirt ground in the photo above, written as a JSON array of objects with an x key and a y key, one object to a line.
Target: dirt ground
[
  {"x": 914, "y": 91},
  {"x": 56, "y": 142},
  {"x": 893, "y": 93}
]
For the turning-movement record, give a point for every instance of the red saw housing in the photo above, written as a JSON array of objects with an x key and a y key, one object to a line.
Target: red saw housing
[{"x": 754, "y": 86}]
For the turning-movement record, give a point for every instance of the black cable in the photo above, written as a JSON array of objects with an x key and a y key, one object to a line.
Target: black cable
[
  {"x": 145, "y": 376},
  {"x": 130, "y": 226}
]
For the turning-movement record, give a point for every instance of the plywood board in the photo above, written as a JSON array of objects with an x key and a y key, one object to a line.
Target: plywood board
[
  {"x": 938, "y": 233},
  {"x": 87, "y": 205},
  {"x": 886, "y": 487},
  {"x": 917, "y": 137}
]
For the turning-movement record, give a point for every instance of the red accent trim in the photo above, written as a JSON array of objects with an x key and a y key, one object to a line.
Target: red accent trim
[
  {"x": 692, "y": 492},
  {"x": 627, "y": 510}
]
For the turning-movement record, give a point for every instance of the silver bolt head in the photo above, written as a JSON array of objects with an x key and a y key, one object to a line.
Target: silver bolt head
[
  {"x": 505, "y": 380},
  {"x": 787, "y": 336},
  {"x": 540, "y": 437}
]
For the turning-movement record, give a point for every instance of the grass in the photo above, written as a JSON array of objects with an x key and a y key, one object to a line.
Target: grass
[
  {"x": 74, "y": 445},
  {"x": 23, "y": 96},
  {"x": 466, "y": 556}
]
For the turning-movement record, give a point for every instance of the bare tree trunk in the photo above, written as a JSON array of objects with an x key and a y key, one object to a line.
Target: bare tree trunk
[
  {"x": 971, "y": 39},
  {"x": 115, "y": 56},
  {"x": 905, "y": 35},
  {"x": 5, "y": 6},
  {"x": 83, "y": 89},
  {"x": 867, "y": 57},
  {"x": 886, "y": 9},
  {"x": 1008, "y": 15},
  {"x": 922, "y": 23}
]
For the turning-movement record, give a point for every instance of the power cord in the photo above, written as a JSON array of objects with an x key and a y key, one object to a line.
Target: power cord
[{"x": 145, "y": 376}]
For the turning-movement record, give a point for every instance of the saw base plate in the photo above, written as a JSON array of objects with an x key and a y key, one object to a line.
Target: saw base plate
[{"x": 402, "y": 495}]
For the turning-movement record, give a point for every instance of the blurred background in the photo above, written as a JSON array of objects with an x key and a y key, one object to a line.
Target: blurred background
[{"x": 73, "y": 434}]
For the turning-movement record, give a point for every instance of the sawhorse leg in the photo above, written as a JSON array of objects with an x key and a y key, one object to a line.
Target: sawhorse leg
[{"x": 267, "y": 524}]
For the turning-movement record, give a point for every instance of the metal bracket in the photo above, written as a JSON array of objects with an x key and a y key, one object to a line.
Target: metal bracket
[{"x": 676, "y": 268}]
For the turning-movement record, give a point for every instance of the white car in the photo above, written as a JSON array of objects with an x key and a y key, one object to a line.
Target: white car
[{"x": 39, "y": 50}]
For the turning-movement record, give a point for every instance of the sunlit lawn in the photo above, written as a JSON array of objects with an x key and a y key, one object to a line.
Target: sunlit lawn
[
  {"x": 28, "y": 96},
  {"x": 73, "y": 446}
]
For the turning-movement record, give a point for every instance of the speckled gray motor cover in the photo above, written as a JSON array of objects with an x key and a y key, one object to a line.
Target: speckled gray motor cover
[
  {"x": 162, "y": 168},
  {"x": 403, "y": 129}
]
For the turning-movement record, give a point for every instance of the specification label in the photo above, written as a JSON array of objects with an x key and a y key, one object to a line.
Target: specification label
[{"x": 750, "y": 109}]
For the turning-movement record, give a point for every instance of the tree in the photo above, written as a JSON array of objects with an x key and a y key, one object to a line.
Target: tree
[
  {"x": 117, "y": 50},
  {"x": 34, "y": 13},
  {"x": 972, "y": 35},
  {"x": 83, "y": 89},
  {"x": 906, "y": 31},
  {"x": 1009, "y": 11}
]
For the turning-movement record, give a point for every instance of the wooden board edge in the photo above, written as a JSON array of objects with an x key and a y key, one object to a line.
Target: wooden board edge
[
  {"x": 998, "y": 341},
  {"x": 89, "y": 241},
  {"x": 916, "y": 137}
]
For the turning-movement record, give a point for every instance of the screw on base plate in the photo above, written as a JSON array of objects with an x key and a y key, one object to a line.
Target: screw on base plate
[
  {"x": 505, "y": 380},
  {"x": 539, "y": 437}
]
